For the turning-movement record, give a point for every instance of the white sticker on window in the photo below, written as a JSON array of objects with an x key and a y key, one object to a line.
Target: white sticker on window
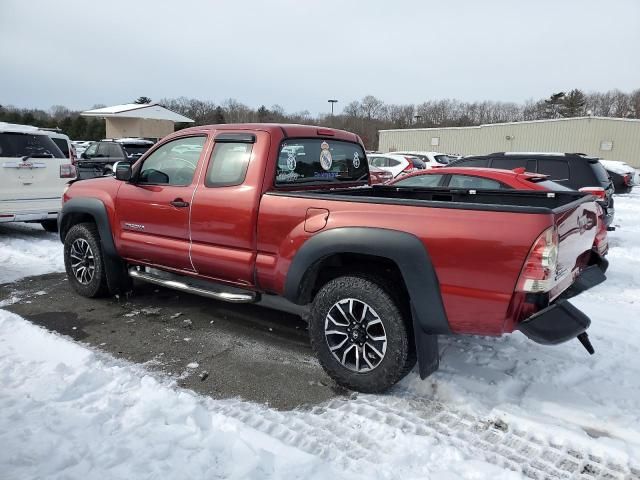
[
  {"x": 291, "y": 161},
  {"x": 325, "y": 156},
  {"x": 356, "y": 160}
]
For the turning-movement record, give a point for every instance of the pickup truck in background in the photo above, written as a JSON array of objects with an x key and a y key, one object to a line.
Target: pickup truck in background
[
  {"x": 99, "y": 157},
  {"x": 235, "y": 212}
]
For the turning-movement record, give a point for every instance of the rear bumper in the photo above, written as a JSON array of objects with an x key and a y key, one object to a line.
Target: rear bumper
[
  {"x": 561, "y": 321},
  {"x": 29, "y": 210}
]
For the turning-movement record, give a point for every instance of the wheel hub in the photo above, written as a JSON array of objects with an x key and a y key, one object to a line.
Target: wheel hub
[
  {"x": 355, "y": 335},
  {"x": 82, "y": 261}
]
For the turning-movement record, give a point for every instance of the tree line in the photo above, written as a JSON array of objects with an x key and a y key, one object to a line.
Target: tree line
[{"x": 364, "y": 117}]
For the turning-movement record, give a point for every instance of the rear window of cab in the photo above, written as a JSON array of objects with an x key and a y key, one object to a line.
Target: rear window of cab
[{"x": 319, "y": 160}]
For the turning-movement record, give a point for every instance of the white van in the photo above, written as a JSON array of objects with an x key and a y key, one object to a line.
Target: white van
[{"x": 33, "y": 175}]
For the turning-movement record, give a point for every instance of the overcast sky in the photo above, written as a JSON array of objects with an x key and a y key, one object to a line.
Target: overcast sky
[{"x": 299, "y": 53}]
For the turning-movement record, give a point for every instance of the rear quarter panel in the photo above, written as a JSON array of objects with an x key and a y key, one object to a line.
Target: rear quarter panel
[{"x": 477, "y": 255}]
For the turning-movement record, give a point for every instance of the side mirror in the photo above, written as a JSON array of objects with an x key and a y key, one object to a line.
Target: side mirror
[{"x": 122, "y": 171}]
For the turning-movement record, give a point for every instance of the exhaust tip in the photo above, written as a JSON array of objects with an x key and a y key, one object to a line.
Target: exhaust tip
[{"x": 584, "y": 340}]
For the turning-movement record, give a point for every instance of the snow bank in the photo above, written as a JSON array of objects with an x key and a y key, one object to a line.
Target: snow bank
[
  {"x": 69, "y": 412},
  {"x": 26, "y": 249}
]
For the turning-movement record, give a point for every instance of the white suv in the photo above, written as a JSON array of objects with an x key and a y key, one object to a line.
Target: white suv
[{"x": 33, "y": 175}]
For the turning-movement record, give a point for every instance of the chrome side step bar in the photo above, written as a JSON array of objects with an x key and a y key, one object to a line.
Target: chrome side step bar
[{"x": 197, "y": 287}]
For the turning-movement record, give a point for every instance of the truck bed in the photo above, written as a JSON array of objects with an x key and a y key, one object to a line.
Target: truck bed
[{"x": 488, "y": 200}]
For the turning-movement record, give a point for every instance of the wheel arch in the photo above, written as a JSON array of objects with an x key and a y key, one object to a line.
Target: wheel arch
[
  {"x": 84, "y": 209},
  {"x": 403, "y": 250}
]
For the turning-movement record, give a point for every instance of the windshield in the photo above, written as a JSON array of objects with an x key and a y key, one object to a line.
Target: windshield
[
  {"x": 549, "y": 185},
  {"x": 13, "y": 144},
  {"x": 135, "y": 149},
  {"x": 444, "y": 159},
  {"x": 311, "y": 160}
]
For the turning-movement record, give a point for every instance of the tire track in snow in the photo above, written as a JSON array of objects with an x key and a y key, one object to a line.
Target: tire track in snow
[{"x": 360, "y": 435}]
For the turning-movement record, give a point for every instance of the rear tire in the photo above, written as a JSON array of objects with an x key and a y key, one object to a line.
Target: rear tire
[
  {"x": 349, "y": 318},
  {"x": 50, "y": 225},
  {"x": 83, "y": 261}
]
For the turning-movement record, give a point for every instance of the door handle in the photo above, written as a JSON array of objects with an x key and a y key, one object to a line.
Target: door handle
[{"x": 179, "y": 203}]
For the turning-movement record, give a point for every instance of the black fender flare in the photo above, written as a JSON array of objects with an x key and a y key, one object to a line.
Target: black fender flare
[
  {"x": 115, "y": 268},
  {"x": 413, "y": 260}
]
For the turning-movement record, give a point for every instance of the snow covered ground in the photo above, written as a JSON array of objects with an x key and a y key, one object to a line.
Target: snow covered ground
[{"x": 497, "y": 408}]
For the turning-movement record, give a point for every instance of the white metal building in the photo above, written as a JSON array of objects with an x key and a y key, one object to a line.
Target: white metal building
[
  {"x": 147, "y": 120},
  {"x": 604, "y": 137}
]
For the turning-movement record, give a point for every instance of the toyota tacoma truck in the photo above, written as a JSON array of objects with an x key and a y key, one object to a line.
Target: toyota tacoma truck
[{"x": 237, "y": 212}]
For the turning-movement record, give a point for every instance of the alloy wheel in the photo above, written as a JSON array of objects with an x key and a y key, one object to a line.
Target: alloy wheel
[
  {"x": 83, "y": 264},
  {"x": 355, "y": 335}
]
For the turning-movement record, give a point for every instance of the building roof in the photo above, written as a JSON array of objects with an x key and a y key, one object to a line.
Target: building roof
[
  {"x": 547, "y": 120},
  {"x": 151, "y": 111}
]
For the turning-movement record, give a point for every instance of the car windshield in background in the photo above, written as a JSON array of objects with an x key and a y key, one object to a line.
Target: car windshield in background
[
  {"x": 549, "y": 185},
  {"x": 417, "y": 163},
  {"x": 444, "y": 159},
  {"x": 13, "y": 144},
  {"x": 135, "y": 149},
  {"x": 309, "y": 160}
]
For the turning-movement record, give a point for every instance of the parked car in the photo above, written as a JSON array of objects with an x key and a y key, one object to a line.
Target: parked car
[
  {"x": 396, "y": 164},
  {"x": 431, "y": 159},
  {"x": 80, "y": 146},
  {"x": 99, "y": 157},
  {"x": 623, "y": 175},
  {"x": 383, "y": 270},
  {"x": 33, "y": 174},
  {"x": 573, "y": 170},
  {"x": 470, "y": 178},
  {"x": 378, "y": 175}
]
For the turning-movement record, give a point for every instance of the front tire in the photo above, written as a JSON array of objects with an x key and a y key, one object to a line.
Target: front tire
[
  {"x": 359, "y": 335},
  {"x": 83, "y": 261}
]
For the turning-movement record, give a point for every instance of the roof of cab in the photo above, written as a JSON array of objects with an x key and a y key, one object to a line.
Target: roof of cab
[{"x": 284, "y": 129}]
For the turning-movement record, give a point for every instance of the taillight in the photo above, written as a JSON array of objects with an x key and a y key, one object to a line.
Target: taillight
[
  {"x": 72, "y": 155},
  {"x": 597, "y": 192},
  {"x": 409, "y": 167},
  {"x": 601, "y": 242},
  {"x": 67, "y": 171},
  {"x": 627, "y": 180},
  {"x": 539, "y": 271}
]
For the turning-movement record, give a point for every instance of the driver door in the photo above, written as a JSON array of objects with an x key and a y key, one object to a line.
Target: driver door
[{"x": 153, "y": 209}]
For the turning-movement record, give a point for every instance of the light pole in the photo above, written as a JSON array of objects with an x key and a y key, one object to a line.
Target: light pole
[{"x": 332, "y": 102}]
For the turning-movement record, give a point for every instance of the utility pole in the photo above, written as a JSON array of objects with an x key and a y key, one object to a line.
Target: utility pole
[{"x": 332, "y": 102}]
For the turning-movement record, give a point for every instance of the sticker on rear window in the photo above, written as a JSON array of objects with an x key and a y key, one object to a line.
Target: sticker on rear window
[
  {"x": 291, "y": 161},
  {"x": 325, "y": 156},
  {"x": 356, "y": 160}
]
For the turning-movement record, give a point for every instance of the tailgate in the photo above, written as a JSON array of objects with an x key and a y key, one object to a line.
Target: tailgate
[{"x": 577, "y": 225}]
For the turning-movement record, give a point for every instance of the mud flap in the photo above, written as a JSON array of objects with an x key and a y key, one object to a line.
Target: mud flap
[{"x": 426, "y": 349}]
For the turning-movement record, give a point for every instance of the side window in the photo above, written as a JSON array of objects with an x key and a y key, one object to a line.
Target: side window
[
  {"x": 420, "y": 181},
  {"x": 473, "y": 162},
  {"x": 114, "y": 150},
  {"x": 392, "y": 162},
  {"x": 103, "y": 149},
  {"x": 469, "y": 182},
  {"x": 228, "y": 164},
  {"x": 174, "y": 163},
  {"x": 555, "y": 169}
]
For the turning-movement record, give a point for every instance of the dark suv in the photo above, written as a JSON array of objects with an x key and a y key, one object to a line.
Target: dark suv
[
  {"x": 573, "y": 170},
  {"x": 99, "y": 157}
]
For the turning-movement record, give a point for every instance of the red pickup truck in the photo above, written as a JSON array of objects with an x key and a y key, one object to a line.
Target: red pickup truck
[{"x": 234, "y": 212}]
